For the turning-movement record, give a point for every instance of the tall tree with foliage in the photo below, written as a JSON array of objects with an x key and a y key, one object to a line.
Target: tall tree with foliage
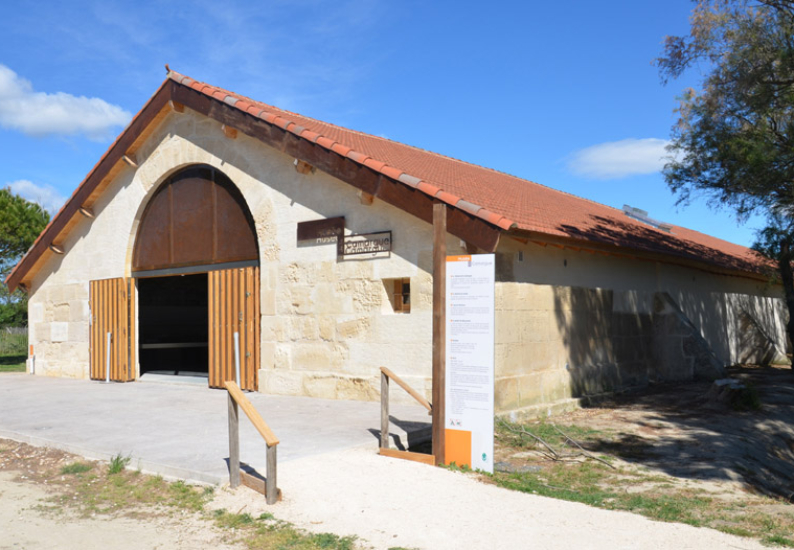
[
  {"x": 21, "y": 221},
  {"x": 734, "y": 139}
]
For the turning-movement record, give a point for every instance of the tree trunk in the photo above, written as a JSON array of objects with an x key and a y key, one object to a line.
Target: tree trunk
[{"x": 787, "y": 277}]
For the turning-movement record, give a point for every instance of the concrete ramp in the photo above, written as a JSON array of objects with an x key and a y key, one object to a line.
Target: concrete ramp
[{"x": 181, "y": 431}]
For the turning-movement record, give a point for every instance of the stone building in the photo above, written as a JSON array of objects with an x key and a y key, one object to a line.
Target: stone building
[{"x": 189, "y": 228}]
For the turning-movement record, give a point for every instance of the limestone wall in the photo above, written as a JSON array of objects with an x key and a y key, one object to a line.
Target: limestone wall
[
  {"x": 572, "y": 324},
  {"x": 327, "y": 323}
]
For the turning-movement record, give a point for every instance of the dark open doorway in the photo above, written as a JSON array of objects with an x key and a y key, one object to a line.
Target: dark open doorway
[{"x": 173, "y": 325}]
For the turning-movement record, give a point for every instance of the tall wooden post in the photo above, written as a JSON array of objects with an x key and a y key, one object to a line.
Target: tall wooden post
[{"x": 439, "y": 328}]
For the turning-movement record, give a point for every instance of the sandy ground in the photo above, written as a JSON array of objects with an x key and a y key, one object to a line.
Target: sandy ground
[
  {"x": 385, "y": 502},
  {"x": 389, "y": 502},
  {"x": 24, "y": 525}
]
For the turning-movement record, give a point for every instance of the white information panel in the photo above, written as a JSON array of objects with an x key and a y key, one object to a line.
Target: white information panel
[{"x": 470, "y": 361}]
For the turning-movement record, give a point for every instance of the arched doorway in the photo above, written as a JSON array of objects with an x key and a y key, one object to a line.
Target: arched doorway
[{"x": 196, "y": 264}]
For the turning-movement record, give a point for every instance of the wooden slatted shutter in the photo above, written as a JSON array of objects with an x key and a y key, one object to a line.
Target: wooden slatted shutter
[
  {"x": 112, "y": 303},
  {"x": 234, "y": 307}
]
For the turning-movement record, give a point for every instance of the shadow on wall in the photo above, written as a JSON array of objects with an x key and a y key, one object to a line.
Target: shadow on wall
[{"x": 611, "y": 342}]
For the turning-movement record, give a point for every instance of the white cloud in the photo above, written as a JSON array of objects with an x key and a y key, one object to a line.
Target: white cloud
[
  {"x": 45, "y": 195},
  {"x": 41, "y": 114},
  {"x": 618, "y": 159}
]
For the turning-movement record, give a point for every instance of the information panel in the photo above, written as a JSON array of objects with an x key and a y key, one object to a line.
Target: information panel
[{"x": 470, "y": 361}]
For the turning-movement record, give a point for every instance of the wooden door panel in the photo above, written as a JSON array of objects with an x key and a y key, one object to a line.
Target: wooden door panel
[
  {"x": 112, "y": 304},
  {"x": 234, "y": 307}
]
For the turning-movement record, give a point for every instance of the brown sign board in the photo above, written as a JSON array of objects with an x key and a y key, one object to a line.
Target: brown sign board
[{"x": 328, "y": 230}]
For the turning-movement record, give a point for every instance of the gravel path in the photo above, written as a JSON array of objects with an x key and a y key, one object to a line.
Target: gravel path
[{"x": 395, "y": 503}]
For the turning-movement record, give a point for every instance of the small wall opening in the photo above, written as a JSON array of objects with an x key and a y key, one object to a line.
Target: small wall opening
[
  {"x": 398, "y": 292},
  {"x": 173, "y": 325}
]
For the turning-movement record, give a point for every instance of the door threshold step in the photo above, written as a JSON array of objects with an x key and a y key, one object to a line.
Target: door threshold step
[{"x": 159, "y": 378}]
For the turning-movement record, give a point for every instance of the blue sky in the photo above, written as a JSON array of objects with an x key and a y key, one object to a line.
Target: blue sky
[{"x": 561, "y": 93}]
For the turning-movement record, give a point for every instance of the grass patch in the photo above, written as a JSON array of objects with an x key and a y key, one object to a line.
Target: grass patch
[
  {"x": 630, "y": 488},
  {"x": 779, "y": 540},
  {"x": 13, "y": 363},
  {"x": 118, "y": 463},
  {"x": 267, "y": 533},
  {"x": 75, "y": 468}
]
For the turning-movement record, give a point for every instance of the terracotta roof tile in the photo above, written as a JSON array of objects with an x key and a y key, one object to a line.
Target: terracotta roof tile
[
  {"x": 408, "y": 179},
  {"x": 468, "y": 207},
  {"x": 375, "y": 164},
  {"x": 502, "y": 199},
  {"x": 428, "y": 188},
  {"x": 392, "y": 172},
  {"x": 311, "y": 136},
  {"x": 357, "y": 157},
  {"x": 325, "y": 142},
  {"x": 340, "y": 149},
  {"x": 448, "y": 198}
]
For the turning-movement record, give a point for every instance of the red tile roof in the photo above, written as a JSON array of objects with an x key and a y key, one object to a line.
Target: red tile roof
[
  {"x": 498, "y": 198},
  {"x": 521, "y": 207}
]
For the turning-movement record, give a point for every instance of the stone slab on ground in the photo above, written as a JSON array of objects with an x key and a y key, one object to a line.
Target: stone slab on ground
[{"x": 181, "y": 431}]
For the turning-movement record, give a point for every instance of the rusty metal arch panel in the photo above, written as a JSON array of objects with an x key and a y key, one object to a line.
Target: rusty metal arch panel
[{"x": 196, "y": 218}]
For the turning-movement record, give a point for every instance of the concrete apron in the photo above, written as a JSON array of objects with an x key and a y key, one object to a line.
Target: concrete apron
[{"x": 181, "y": 431}]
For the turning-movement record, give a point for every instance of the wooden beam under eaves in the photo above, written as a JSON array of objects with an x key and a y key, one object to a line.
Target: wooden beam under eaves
[
  {"x": 303, "y": 167},
  {"x": 176, "y": 106},
  {"x": 229, "y": 132},
  {"x": 130, "y": 159}
]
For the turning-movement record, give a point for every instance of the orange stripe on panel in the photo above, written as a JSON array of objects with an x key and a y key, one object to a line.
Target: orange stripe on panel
[{"x": 458, "y": 447}]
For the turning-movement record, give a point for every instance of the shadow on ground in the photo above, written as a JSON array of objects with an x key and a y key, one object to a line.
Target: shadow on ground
[{"x": 677, "y": 429}]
